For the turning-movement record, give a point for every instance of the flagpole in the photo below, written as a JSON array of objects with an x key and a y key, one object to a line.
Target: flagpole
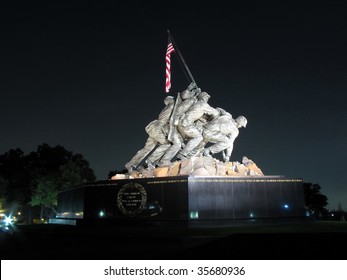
[{"x": 181, "y": 58}]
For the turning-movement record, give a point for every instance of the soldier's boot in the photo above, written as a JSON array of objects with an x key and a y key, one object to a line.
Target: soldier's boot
[
  {"x": 150, "y": 164},
  {"x": 207, "y": 152},
  {"x": 181, "y": 156},
  {"x": 129, "y": 167}
]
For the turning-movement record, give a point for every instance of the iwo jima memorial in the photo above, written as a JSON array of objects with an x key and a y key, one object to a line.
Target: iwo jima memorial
[{"x": 176, "y": 176}]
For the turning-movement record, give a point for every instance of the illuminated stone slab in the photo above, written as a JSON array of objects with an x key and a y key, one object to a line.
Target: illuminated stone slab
[{"x": 184, "y": 198}]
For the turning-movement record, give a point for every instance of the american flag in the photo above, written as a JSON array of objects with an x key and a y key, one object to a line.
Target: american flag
[{"x": 169, "y": 50}]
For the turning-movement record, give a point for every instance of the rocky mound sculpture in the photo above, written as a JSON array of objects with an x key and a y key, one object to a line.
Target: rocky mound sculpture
[
  {"x": 185, "y": 137},
  {"x": 197, "y": 166}
]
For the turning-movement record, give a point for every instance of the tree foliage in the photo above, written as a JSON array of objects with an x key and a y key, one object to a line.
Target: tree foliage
[
  {"x": 315, "y": 201},
  {"x": 45, "y": 193},
  {"x": 15, "y": 170},
  {"x": 3, "y": 188},
  {"x": 35, "y": 179}
]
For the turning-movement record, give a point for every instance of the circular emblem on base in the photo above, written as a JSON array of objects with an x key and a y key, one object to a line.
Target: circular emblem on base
[{"x": 131, "y": 199}]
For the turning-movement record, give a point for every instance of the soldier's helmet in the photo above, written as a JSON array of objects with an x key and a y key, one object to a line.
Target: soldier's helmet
[
  {"x": 204, "y": 96},
  {"x": 241, "y": 120},
  {"x": 221, "y": 110},
  {"x": 185, "y": 94},
  {"x": 168, "y": 100}
]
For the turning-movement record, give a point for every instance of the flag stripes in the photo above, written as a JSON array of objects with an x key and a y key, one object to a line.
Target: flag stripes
[{"x": 169, "y": 50}]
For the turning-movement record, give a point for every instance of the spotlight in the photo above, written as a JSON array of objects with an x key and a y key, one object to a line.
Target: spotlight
[
  {"x": 8, "y": 220},
  {"x": 194, "y": 214}
]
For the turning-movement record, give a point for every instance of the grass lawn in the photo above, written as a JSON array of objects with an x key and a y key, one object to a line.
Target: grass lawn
[
  {"x": 294, "y": 240},
  {"x": 309, "y": 227}
]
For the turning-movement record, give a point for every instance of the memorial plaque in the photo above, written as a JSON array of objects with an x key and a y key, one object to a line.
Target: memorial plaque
[{"x": 131, "y": 199}]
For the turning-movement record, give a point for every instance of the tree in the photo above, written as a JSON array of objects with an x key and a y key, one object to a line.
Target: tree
[
  {"x": 14, "y": 169},
  {"x": 55, "y": 169},
  {"x": 3, "y": 188},
  {"x": 47, "y": 160},
  {"x": 79, "y": 173},
  {"x": 35, "y": 179},
  {"x": 70, "y": 175},
  {"x": 45, "y": 194},
  {"x": 315, "y": 201}
]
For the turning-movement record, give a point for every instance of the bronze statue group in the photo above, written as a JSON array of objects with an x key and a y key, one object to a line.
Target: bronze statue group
[{"x": 184, "y": 128}]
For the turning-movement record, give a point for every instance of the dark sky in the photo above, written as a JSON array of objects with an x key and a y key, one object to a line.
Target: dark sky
[{"x": 90, "y": 75}]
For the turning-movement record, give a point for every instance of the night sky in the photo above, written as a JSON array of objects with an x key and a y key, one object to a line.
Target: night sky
[{"x": 90, "y": 75}]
